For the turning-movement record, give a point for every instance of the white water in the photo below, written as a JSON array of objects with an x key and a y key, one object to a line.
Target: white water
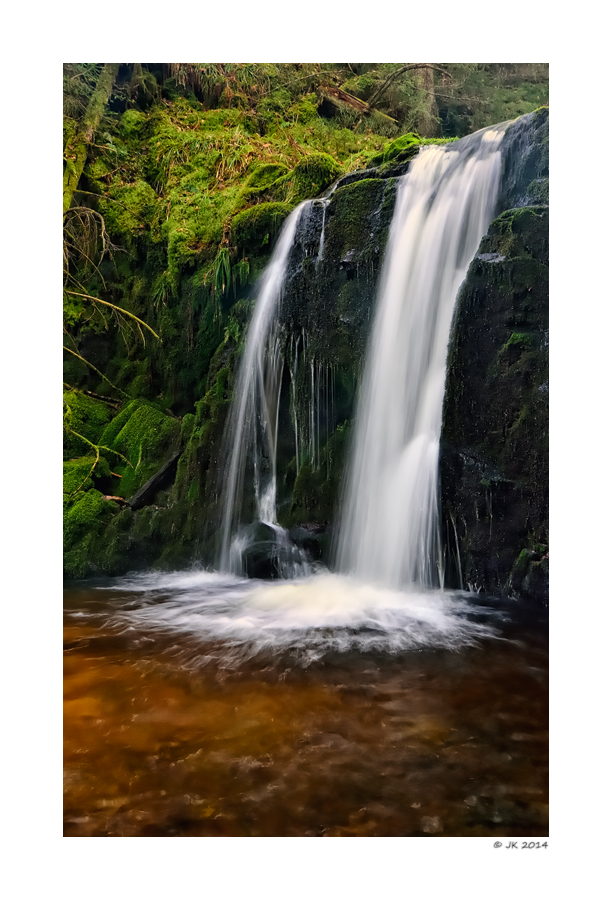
[
  {"x": 253, "y": 422},
  {"x": 309, "y": 617},
  {"x": 389, "y": 532}
]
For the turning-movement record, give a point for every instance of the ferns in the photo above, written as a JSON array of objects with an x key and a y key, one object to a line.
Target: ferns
[{"x": 222, "y": 272}]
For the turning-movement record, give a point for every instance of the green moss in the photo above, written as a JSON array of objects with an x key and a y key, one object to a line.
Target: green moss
[
  {"x": 146, "y": 437},
  {"x": 118, "y": 421},
  {"x": 361, "y": 86},
  {"x": 133, "y": 207},
  {"x": 69, "y": 131},
  {"x": 263, "y": 176},
  {"x": 187, "y": 424},
  {"x": 85, "y": 416},
  {"x": 516, "y": 339},
  {"x": 538, "y": 191},
  {"x": 132, "y": 124},
  {"x": 86, "y": 517},
  {"x": 257, "y": 226},
  {"x": 304, "y": 110},
  {"x": 77, "y": 475},
  {"x": 351, "y": 210},
  {"x": 398, "y": 150},
  {"x": 312, "y": 175}
]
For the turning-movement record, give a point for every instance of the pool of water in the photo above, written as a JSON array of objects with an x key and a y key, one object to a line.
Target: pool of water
[{"x": 202, "y": 705}]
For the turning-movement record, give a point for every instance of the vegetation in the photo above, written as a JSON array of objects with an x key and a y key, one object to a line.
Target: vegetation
[{"x": 177, "y": 178}]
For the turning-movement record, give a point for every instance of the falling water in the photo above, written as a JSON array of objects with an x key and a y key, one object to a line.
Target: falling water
[
  {"x": 325, "y": 201},
  {"x": 389, "y": 530},
  {"x": 253, "y": 422}
]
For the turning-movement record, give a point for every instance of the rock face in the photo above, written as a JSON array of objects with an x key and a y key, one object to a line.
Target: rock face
[
  {"x": 494, "y": 445},
  {"x": 493, "y": 463},
  {"x": 326, "y": 313}
]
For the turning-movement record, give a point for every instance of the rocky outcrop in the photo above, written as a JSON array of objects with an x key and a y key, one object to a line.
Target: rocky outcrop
[
  {"x": 494, "y": 446},
  {"x": 493, "y": 454},
  {"x": 494, "y": 443}
]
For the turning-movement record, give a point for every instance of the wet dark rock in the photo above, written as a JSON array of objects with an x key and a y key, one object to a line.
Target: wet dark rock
[
  {"x": 494, "y": 446},
  {"x": 524, "y": 180}
]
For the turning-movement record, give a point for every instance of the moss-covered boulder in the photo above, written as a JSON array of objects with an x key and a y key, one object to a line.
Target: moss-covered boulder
[
  {"x": 399, "y": 150},
  {"x": 257, "y": 226},
  {"x": 84, "y": 417},
  {"x": 145, "y": 436}
]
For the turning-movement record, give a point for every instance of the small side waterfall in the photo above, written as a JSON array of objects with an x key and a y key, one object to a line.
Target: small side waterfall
[
  {"x": 389, "y": 532},
  {"x": 252, "y": 429}
]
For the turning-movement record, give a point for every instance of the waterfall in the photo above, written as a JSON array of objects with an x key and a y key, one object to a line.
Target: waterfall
[
  {"x": 389, "y": 529},
  {"x": 253, "y": 422}
]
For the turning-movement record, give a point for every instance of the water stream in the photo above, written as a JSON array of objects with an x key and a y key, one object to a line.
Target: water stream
[
  {"x": 252, "y": 428},
  {"x": 199, "y": 704},
  {"x": 389, "y": 528}
]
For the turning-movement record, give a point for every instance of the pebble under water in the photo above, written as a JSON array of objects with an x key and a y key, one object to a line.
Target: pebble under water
[{"x": 204, "y": 705}]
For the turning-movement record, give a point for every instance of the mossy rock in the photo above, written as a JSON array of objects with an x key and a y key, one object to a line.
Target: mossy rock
[
  {"x": 399, "y": 150},
  {"x": 257, "y": 226},
  {"x": 312, "y": 175},
  {"x": 79, "y": 474},
  {"x": 87, "y": 516},
  {"x": 132, "y": 124},
  {"x": 262, "y": 178},
  {"x": 131, "y": 209},
  {"x": 146, "y": 437},
  {"x": 85, "y": 416}
]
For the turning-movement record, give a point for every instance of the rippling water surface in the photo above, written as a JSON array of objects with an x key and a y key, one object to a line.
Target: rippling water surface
[{"x": 198, "y": 704}]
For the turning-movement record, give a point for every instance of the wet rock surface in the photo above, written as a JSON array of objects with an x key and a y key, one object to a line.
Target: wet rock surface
[{"x": 494, "y": 445}]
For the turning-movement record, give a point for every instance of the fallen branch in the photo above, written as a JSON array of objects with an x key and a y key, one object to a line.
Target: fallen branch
[{"x": 108, "y": 400}]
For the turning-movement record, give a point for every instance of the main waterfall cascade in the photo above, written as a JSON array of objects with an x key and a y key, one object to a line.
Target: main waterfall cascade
[{"x": 389, "y": 531}]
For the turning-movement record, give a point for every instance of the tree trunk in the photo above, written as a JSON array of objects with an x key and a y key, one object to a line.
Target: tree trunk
[
  {"x": 91, "y": 120},
  {"x": 427, "y": 124}
]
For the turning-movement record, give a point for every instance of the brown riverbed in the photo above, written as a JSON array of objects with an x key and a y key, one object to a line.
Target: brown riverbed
[{"x": 164, "y": 738}]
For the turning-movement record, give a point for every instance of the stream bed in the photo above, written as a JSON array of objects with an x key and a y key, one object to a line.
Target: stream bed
[{"x": 205, "y": 705}]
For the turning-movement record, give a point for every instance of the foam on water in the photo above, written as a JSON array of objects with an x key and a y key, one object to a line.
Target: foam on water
[{"x": 307, "y": 616}]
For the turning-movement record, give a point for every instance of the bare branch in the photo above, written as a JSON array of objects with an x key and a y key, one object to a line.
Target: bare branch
[
  {"x": 91, "y": 366},
  {"x": 381, "y": 90},
  {"x": 118, "y": 309}
]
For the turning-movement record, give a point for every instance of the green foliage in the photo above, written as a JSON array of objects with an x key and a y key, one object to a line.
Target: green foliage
[
  {"x": 193, "y": 168},
  {"x": 255, "y": 227},
  {"x": 222, "y": 271},
  {"x": 146, "y": 437},
  {"x": 79, "y": 474},
  {"x": 86, "y": 516},
  {"x": 486, "y": 93},
  {"x": 85, "y": 416},
  {"x": 132, "y": 207},
  {"x": 312, "y": 175},
  {"x": 399, "y": 150}
]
